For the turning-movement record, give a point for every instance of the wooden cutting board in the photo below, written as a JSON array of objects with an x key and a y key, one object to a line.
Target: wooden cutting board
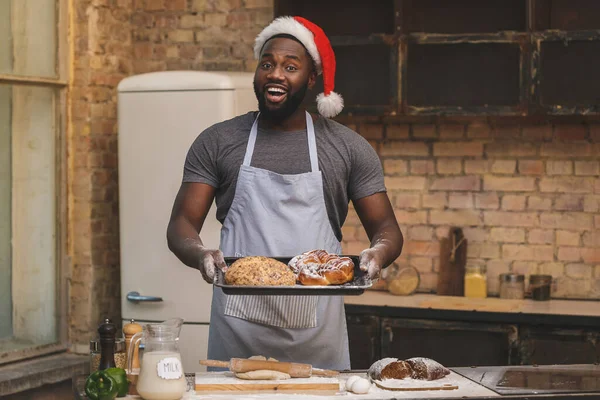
[
  {"x": 218, "y": 382},
  {"x": 453, "y": 258},
  {"x": 450, "y": 382},
  {"x": 468, "y": 304},
  {"x": 399, "y": 386}
]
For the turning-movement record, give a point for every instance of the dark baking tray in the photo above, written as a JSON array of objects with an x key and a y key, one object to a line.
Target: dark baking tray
[{"x": 356, "y": 287}]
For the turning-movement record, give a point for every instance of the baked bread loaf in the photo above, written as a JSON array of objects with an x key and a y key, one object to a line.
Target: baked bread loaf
[
  {"x": 416, "y": 368},
  {"x": 427, "y": 369},
  {"x": 390, "y": 368},
  {"x": 320, "y": 268},
  {"x": 259, "y": 271}
]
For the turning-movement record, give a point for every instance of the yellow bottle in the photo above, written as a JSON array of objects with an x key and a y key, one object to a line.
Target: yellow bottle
[{"x": 475, "y": 281}]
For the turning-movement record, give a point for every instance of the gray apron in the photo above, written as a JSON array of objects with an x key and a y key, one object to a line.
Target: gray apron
[{"x": 279, "y": 215}]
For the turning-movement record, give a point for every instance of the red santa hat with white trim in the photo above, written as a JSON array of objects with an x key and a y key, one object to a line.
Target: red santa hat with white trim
[{"x": 329, "y": 103}]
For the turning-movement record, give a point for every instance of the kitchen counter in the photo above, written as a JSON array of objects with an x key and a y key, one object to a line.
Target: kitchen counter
[
  {"x": 582, "y": 313},
  {"x": 470, "y": 382},
  {"x": 466, "y": 388}
]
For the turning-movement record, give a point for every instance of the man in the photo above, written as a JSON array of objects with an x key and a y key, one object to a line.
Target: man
[{"x": 282, "y": 180}]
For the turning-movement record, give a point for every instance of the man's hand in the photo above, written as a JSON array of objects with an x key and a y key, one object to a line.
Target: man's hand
[
  {"x": 371, "y": 262},
  {"x": 189, "y": 211},
  {"x": 377, "y": 216},
  {"x": 209, "y": 259}
]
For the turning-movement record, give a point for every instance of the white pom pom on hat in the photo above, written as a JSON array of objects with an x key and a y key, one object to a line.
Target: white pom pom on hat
[{"x": 329, "y": 103}]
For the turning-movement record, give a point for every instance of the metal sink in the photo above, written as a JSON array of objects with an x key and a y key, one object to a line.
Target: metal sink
[{"x": 544, "y": 379}]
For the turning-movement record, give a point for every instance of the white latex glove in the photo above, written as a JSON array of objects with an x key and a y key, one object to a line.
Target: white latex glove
[
  {"x": 209, "y": 259},
  {"x": 370, "y": 262}
]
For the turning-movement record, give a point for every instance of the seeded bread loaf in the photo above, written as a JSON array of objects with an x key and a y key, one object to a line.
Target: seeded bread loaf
[{"x": 259, "y": 271}]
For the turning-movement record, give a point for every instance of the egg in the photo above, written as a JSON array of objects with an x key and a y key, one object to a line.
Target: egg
[
  {"x": 350, "y": 381},
  {"x": 361, "y": 386}
]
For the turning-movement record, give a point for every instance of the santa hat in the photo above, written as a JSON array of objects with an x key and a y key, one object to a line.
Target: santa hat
[{"x": 329, "y": 103}]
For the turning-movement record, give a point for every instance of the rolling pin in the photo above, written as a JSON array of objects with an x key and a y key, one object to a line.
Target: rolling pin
[{"x": 295, "y": 370}]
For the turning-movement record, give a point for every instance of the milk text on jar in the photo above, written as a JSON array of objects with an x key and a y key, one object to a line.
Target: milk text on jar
[{"x": 161, "y": 376}]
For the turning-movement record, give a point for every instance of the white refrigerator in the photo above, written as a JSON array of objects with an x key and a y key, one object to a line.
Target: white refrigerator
[{"x": 159, "y": 116}]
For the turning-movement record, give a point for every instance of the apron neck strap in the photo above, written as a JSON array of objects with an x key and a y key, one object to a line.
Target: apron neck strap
[{"x": 310, "y": 133}]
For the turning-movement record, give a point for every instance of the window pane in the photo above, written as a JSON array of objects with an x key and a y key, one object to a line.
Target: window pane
[
  {"x": 344, "y": 17},
  {"x": 574, "y": 14},
  {"x": 31, "y": 48},
  {"x": 363, "y": 74},
  {"x": 566, "y": 70},
  {"x": 28, "y": 129},
  {"x": 464, "y": 16},
  {"x": 362, "y": 80},
  {"x": 463, "y": 74},
  {"x": 5, "y": 220}
]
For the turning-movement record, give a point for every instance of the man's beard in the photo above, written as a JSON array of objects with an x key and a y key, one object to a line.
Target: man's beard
[{"x": 289, "y": 106}]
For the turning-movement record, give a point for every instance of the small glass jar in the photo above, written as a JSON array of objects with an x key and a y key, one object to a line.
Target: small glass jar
[
  {"x": 95, "y": 354},
  {"x": 512, "y": 286},
  {"x": 402, "y": 280},
  {"x": 475, "y": 280},
  {"x": 540, "y": 286}
]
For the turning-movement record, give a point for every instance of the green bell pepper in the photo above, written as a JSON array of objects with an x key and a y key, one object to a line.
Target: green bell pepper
[
  {"x": 101, "y": 386},
  {"x": 120, "y": 376}
]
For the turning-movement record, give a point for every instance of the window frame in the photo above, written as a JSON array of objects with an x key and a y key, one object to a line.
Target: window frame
[
  {"x": 61, "y": 84},
  {"x": 394, "y": 78},
  {"x": 537, "y": 71},
  {"x": 529, "y": 41},
  {"x": 519, "y": 39}
]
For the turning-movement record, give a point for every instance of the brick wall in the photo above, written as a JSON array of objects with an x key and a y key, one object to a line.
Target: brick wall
[
  {"x": 113, "y": 39},
  {"x": 208, "y": 35},
  {"x": 527, "y": 197},
  {"x": 102, "y": 56}
]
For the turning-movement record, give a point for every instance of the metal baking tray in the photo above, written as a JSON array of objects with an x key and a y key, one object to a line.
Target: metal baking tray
[{"x": 356, "y": 287}]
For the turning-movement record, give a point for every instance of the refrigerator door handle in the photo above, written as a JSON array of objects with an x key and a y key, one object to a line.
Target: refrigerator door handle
[{"x": 135, "y": 297}]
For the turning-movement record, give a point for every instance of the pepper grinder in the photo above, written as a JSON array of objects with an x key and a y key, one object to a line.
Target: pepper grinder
[{"x": 107, "y": 332}]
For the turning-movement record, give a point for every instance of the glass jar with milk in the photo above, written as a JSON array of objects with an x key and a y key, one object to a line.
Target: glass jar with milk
[{"x": 161, "y": 375}]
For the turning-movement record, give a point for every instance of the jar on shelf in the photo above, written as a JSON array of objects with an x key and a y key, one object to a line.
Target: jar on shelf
[
  {"x": 512, "y": 286},
  {"x": 475, "y": 280},
  {"x": 402, "y": 280},
  {"x": 95, "y": 354},
  {"x": 540, "y": 287}
]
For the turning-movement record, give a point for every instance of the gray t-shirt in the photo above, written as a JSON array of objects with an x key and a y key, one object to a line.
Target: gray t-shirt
[{"x": 350, "y": 167}]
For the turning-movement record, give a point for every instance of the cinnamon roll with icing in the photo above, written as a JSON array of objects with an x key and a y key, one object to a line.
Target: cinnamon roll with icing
[{"x": 320, "y": 268}]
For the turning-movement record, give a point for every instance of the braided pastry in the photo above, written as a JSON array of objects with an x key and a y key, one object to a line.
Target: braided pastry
[{"x": 320, "y": 268}]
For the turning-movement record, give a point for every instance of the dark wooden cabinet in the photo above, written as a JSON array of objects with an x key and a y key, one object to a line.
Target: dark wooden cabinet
[
  {"x": 464, "y": 339},
  {"x": 543, "y": 346},
  {"x": 364, "y": 337},
  {"x": 454, "y": 344}
]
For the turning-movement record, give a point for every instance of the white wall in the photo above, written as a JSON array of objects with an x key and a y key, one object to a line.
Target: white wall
[
  {"x": 5, "y": 38},
  {"x": 5, "y": 206},
  {"x": 5, "y": 173}
]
